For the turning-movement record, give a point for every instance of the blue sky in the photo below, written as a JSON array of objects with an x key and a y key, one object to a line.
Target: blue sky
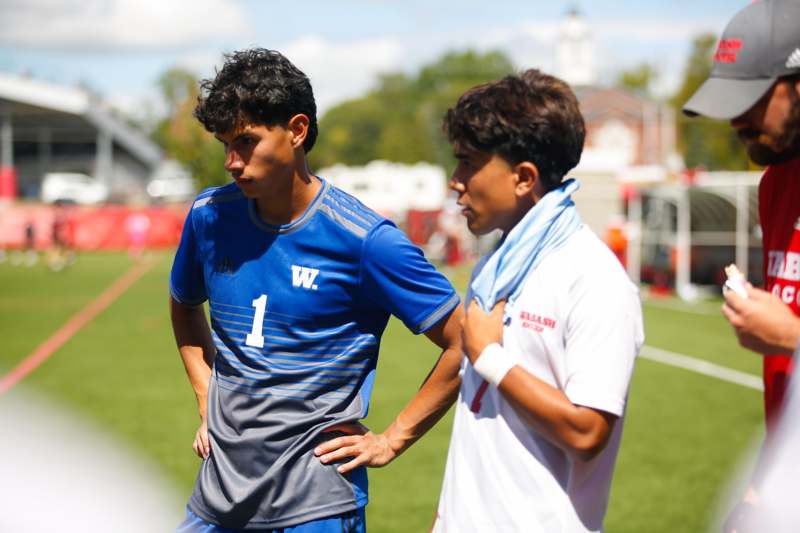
[{"x": 119, "y": 47}]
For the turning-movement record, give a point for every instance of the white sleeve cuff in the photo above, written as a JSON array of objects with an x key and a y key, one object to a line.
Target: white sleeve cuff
[
  {"x": 595, "y": 399},
  {"x": 493, "y": 364}
]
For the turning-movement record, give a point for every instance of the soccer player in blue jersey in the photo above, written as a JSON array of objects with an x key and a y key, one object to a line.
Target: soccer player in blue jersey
[{"x": 300, "y": 280}]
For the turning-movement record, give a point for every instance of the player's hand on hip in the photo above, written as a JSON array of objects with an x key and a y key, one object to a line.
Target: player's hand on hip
[
  {"x": 480, "y": 329},
  {"x": 364, "y": 448},
  {"x": 201, "y": 445}
]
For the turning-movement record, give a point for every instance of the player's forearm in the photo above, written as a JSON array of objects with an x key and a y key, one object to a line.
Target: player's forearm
[
  {"x": 196, "y": 347},
  {"x": 199, "y": 374},
  {"x": 439, "y": 390},
  {"x": 430, "y": 403},
  {"x": 580, "y": 431}
]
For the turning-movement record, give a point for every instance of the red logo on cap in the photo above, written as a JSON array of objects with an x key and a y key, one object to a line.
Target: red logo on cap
[{"x": 727, "y": 50}]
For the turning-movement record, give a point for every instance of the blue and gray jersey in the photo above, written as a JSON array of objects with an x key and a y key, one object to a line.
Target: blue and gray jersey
[{"x": 297, "y": 313}]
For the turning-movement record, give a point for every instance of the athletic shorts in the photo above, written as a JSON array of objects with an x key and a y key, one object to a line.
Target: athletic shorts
[{"x": 349, "y": 522}]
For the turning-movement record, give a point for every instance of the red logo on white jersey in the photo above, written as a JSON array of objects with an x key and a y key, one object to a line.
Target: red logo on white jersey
[{"x": 536, "y": 322}]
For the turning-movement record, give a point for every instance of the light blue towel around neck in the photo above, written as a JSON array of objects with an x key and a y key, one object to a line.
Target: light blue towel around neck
[{"x": 543, "y": 229}]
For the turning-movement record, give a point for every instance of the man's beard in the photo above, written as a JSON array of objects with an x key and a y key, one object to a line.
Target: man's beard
[{"x": 764, "y": 149}]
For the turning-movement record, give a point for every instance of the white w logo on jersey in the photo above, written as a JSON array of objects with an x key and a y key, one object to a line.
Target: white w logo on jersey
[{"x": 304, "y": 277}]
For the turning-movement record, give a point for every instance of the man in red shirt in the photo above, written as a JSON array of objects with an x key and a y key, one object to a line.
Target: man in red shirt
[{"x": 755, "y": 83}]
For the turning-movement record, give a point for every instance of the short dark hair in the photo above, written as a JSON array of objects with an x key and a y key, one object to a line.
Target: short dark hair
[
  {"x": 528, "y": 117},
  {"x": 258, "y": 86}
]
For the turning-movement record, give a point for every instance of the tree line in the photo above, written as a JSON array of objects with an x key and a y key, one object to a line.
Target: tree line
[{"x": 400, "y": 118}]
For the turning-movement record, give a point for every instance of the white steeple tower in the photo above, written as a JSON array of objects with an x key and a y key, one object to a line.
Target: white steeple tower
[{"x": 575, "y": 51}]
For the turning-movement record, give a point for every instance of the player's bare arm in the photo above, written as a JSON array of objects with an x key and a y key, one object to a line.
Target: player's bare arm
[
  {"x": 193, "y": 337},
  {"x": 580, "y": 431},
  {"x": 762, "y": 321},
  {"x": 434, "y": 398}
]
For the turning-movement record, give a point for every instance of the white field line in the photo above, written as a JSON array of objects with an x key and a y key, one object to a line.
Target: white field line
[{"x": 702, "y": 367}]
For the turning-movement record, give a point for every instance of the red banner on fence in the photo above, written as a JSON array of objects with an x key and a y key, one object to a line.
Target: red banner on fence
[
  {"x": 109, "y": 227},
  {"x": 8, "y": 182}
]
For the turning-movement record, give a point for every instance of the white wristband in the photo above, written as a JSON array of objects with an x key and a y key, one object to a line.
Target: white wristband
[{"x": 493, "y": 364}]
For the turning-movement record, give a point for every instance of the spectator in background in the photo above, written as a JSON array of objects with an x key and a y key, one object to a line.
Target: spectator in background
[
  {"x": 60, "y": 254},
  {"x": 137, "y": 225},
  {"x": 755, "y": 83},
  {"x": 617, "y": 239},
  {"x": 28, "y": 256}
]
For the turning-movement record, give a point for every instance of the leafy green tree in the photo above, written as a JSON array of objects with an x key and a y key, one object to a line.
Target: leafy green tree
[
  {"x": 639, "y": 79},
  {"x": 177, "y": 85},
  {"x": 182, "y": 137},
  {"x": 705, "y": 142},
  {"x": 401, "y": 118}
]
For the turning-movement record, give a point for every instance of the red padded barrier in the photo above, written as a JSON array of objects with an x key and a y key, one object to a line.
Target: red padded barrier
[{"x": 108, "y": 227}]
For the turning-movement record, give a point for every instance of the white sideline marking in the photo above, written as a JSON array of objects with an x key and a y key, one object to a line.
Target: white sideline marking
[{"x": 702, "y": 367}]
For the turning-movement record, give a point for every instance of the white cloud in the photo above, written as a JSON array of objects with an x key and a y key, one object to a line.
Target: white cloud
[
  {"x": 200, "y": 62},
  {"x": 528, "y": 44},
  {"x": 339, "y": 68},
  {"x": 647, "y": 30},
  {"x": 343, "y": 70},
  {"x": 339, "y": 71},
  {"x": 108, "y": 25},
  {"x": 656, "y": 42},
  {"x": 145, "y": 107}
]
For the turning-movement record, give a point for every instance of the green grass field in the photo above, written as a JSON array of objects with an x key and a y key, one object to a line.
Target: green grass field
[{"x": 684, "y": 432}]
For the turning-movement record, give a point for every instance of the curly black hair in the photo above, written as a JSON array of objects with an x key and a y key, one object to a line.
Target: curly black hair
[
  {"x": 257, "y": 86},
  {"x": 529, "y": 117}
]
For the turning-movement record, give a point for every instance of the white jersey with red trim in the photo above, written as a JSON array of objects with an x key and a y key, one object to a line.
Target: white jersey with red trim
[{"x": 577, "y": 325}]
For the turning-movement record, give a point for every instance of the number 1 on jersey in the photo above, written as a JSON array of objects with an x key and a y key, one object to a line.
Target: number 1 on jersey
[{"x": 254, "y": 338}]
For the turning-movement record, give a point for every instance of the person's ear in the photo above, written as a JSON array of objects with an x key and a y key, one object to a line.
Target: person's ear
[
  {"x": 527, "y": 179},
  {"x": 298, "y": 129}
]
